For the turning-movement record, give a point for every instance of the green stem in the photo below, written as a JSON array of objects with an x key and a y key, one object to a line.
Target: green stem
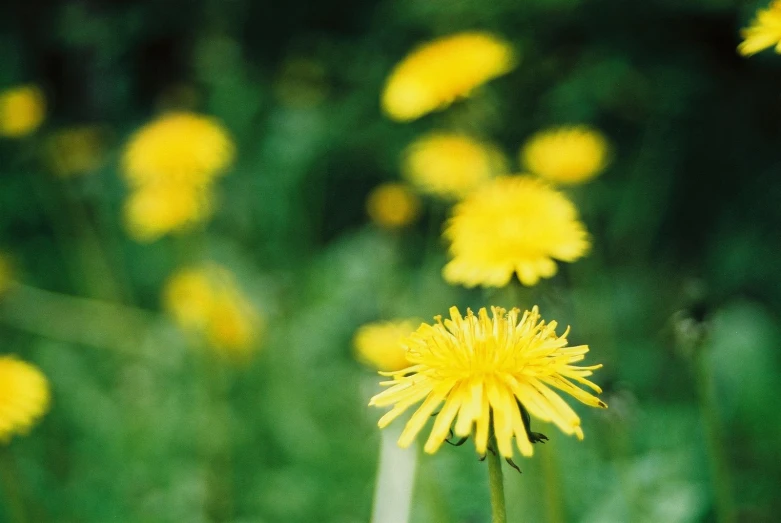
[
  {"x": 83, "y": 321},
  {"x": 10, "y": 480},
  {"x": 554, "y": 504},
  {"x": 496, "y": 484},
  {"x": 722, "y": 482}
]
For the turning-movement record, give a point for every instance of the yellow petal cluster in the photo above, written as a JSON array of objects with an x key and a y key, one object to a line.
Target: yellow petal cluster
[
  {"x": 378, "y": 345},
  {"x": 24, "y": 397},
  {"x": 77, "y": 150},
  {"x": 22, "y": 110},
  {"x": 206, "y": 300},
  {"x": 171, "y": 165},
  {"x": 178, "y": 147},
  {"x": 152, "y": 211},
  {"x": 566, "y": 155},
  {"x": 512, "y": 225},
  {"x": 392, "y": 205},
  {"x": 478, "y": 370},
  {"x": 764, "y": 31},
  {"x": 451, "y": 165},
  {"x": 439, "y": 72}
]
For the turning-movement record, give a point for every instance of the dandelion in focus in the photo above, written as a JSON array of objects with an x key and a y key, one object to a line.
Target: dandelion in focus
[
  {"x": 513, "y": 224},
  {"x": 764, "y": 31},
  {"x": 76, "y": 151},
  {"x": 489, "y": 372},
  {"x": 22, "y": 110},
  {"x": 24, "y": 397},
  {"x": 178, "y": 147},
  {"x": 155, "y": 210},
  {"x": 392, "y": 205},
  {"x": 566, "y": 155},
  {"x": 207, "y": 301},
  {"x": 378, "y": 345},
  {"x": 451, "y": 165},
  {"x": 437, "y": 73}
]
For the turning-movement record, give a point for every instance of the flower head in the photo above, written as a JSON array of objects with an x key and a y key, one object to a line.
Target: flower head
[
  {"x": 439, "y": 72},
  {"x": 178, "y": 147},
  {"x": 76, "y": 150},
  {"x": 392, "y": 205},
  {"x": 451, "y": 165},
  {"x": 207, "y": 301},
  {"x": 764, "y": 31},
  {"x": 514, "y": 224},
  {"x": 155, "y": 210},
  {"x": 378, "y": 345},
  {"x": 24, "y": 396},
  {"x": 485, "y": 370},
  {"x": 567, "y": 155},
  {"x": 22, "y": 110}
]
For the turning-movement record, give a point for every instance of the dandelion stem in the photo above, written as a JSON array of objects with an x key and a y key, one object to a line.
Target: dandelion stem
[
  {"x": 722, "y": 482},
  {"x": 10, "y": 481},
  {"x": 71, "y": 319},
  {"x": 496, "y": 484}
]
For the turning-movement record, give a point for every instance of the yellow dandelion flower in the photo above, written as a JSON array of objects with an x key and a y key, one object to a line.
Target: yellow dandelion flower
[
  {"x": 233, "y": 325},
  {"x": 488, "y": 371},
  {"x": 155, "y": 210},
  {"x": 439, "y": 72},
  {"x": 22, "y": 110},
  {"x": 77, "y": 150},
  {"x": 178, "y": 147},
  {"x": 451, "y": 165},
  {"x": 206, "y": 300},
  {"x": 378, "y": 345},
  {"x": 188, "y": 296},
  {"x": 24, "y": 396},
  {"x": 392, "y": 205},
  {"x": 566, "y": 155},
  {"x": 764, "y": 31},
  {"x": 512, "y": 225}
]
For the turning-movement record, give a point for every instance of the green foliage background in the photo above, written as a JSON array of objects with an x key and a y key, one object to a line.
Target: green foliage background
[{"x": 680, "y": 298}]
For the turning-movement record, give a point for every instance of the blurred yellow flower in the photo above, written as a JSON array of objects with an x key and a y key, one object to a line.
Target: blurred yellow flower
[
  {"x": 764, "y": 31},
  {"x": 392, "y": 205},
  {"x": 566, "y": 155},
  {"x": 451, "y": 165},
  {"x": 233, "y": 325},
  {"x": 24, "y": 396},
  {"x": 77, "y": 150},
  {"x": 22, "y": 110},
  {"x": 378, "y": 345},
  {"x": 489, "y": 372},
  {"x": 437, "y": 73},
  {"x": 207, "y": 300},
  {"x": 155, "y": 210},
  {"x": 512, "y": 225},
  {"x": 178, "y": 147},
  {"x": 188, "y": 296}
]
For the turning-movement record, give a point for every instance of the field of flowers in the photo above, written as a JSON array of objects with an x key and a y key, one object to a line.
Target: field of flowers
[{"x": 391, "y": 261}]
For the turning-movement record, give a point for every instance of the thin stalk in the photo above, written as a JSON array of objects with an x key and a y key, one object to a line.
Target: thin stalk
[
  {"x": 84, "y": 321},
  {"x": 496, "y": 484},
  {"x": 554, "y": 504},
  {"x": 13, "y": 494},
  {"x": 722, "y": 482},
  {"x": 395, "y": 480}
]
